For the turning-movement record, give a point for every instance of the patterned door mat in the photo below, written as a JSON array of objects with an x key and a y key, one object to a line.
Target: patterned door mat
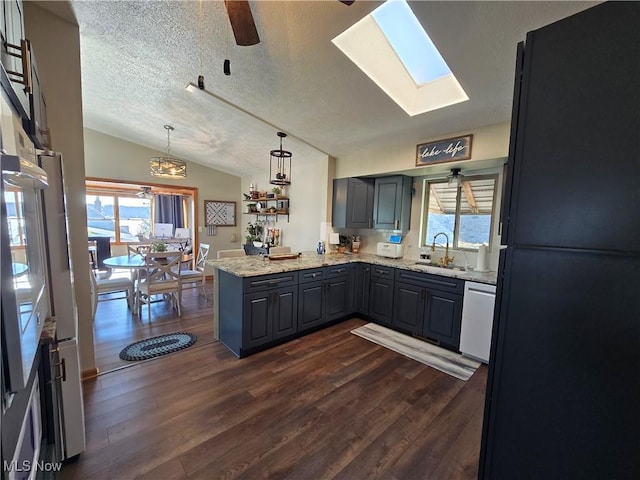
[{"x": 157, "y": 346}]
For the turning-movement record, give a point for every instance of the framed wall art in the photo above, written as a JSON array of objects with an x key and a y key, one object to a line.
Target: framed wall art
[
  {"x": 219, "y": 213},
  {"x": 445, "y": 150}
]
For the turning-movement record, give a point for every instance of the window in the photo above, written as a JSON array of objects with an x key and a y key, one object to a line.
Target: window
[
  {"x": 124, "y": 211},
  {"x": 464, "y": 213},
  {"x": 119, "y": 217},
  {"x": 15, "y": 216}
]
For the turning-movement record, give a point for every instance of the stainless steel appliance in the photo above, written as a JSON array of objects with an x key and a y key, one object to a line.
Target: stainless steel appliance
[
  {"x": 60, "y": 282},
  {"x": 37, "y": 284}
]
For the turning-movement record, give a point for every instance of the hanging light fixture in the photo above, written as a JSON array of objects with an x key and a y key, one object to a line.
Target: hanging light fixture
[
  {"x": 280, "y": 165},
  {"x": 455, "y": 177},
  {"x": 167, "y": 167}
]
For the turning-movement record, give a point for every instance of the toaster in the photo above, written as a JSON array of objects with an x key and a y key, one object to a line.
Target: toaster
[{"x": 390, "y": 250}]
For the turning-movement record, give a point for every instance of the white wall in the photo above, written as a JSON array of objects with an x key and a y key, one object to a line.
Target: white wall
[
  {"x": 112, "y": 158},
  {"x": 309, "y": 202}
]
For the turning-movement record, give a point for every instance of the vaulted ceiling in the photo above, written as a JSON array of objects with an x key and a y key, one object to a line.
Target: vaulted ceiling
[{"x": 138, "y": 56}]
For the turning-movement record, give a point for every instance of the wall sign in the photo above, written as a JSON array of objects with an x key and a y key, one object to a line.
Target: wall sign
[
  {"x": 446, "y": 150},
  {"x": 220, "y": 213}
]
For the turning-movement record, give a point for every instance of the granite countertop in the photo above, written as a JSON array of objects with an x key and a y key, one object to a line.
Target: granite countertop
[{"x": 254, "y": 265}]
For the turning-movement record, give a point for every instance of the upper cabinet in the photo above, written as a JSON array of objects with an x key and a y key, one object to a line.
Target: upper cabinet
[
  {"x": 392, "y": 203},
  {"x": 352, "y": 203}
]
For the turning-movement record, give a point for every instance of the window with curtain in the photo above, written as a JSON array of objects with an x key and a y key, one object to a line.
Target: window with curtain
[{"x": 464, "y": 212}]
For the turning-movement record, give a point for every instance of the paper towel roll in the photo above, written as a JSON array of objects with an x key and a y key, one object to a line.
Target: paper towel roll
[{"x": 482, "y": 259}]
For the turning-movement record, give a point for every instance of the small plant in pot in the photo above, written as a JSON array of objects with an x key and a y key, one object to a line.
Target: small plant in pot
[
  {"x": 276, "y": 191},
  {"x": 344, "y": 242},
  {"x": 159, "y": 246},
  {"x": 255, "y": 231}
]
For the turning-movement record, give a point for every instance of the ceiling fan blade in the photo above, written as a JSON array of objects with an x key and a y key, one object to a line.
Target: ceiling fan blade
[
  {"x": 242, "y": 24},
  {"x": 347, "y": 2}
]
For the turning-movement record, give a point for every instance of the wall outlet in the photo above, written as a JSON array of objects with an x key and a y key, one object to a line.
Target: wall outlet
[{"x": 200, "y": 229}]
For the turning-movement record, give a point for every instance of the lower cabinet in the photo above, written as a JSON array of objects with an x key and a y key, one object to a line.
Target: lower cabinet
[
  {"x": 268, "y": 316},
  {"x": 361, "y": 284},
  {"x": 381, "y": 294},
  {"x": 326, "y": 300},
  {"x": 443, "y": 318},
  {"x": 429, "y": 306}
]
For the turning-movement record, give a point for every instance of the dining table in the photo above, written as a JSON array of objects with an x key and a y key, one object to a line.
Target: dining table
[{"x": 135, "y": 263}]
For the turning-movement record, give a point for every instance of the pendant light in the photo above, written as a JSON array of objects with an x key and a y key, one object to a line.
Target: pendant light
[
  {"x": 168, "y": 167},
  {"x": 280, "y": 165},
  {"x": 455, "y": 177}
]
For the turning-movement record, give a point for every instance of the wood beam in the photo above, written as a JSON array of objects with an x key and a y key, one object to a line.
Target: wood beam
[{"x": 471, "y": 200}]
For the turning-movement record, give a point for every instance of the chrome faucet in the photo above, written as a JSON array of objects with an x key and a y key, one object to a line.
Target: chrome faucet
[{"x": 446, "y": 260}]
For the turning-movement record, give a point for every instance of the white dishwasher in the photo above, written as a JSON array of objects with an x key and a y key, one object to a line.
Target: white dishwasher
[{"x": 477, "y": 320}]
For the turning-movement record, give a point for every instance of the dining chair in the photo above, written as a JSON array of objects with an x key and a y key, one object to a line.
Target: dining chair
[
  {"x": 110, "y": 285},
  {"x": 234, "y": 252},
  {"x": 197, "y": 276},
  {"x": 161, "y": 277},
  {"x": 276, "y": 250}
]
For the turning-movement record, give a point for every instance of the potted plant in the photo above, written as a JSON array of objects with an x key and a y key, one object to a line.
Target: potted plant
[
  {"x": 342, "y": 246},
  {"x": 159, "y": 246},
  {"x": 255, "y": 231},
  {"x": 276, "y": 191}
]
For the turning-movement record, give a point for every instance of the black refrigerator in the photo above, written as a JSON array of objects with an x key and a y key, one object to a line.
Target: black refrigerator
[{"x": 563, "y": 391}]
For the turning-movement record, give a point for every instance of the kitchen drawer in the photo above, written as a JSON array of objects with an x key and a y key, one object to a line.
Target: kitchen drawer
[
  {"x": 382, "y": 272},
  {"x": 338, "y": 271},
  {"x": 312, "y": 275},
  {"x": 274, "y": 280},
  {"x": 432, "y": 282}
]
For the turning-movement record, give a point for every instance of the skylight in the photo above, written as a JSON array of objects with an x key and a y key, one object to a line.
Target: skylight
[
  {"x": 393, "y": 49},
  {"x": 410, "y": 42}
]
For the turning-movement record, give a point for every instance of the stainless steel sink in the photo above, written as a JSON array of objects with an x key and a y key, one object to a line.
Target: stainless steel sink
[{"x": 449, "y": 267}]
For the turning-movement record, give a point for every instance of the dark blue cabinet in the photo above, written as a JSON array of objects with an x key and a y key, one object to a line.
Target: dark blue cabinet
[
  {"x": 352, "y": 203},
  {"x": 392, "y": 203}
]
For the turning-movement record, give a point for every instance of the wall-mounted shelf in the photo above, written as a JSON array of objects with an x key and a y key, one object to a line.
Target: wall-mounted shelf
[{"x": 280, "y": 203}]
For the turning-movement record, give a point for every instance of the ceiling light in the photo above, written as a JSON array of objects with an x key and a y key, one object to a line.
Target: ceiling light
[
  {"x": 145, "y": 192},
  {"x": 280, "y": 165},
  {"x": 455, "y": 178},
  {"x": 167, "y": 167}
]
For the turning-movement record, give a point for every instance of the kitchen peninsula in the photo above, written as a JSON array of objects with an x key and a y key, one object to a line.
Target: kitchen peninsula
[{"x": 260, "y": 303}]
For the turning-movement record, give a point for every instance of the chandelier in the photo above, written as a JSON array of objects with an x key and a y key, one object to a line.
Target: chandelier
[
  {"x": 167, "y": 167},
  {"x": 280, "y": 165}
]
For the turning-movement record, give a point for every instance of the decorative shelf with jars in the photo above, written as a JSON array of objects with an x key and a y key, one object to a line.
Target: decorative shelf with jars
[{"x": 269, "y": 205}]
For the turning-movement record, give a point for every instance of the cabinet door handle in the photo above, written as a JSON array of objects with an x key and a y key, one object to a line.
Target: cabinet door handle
[
  {"x": 396, "y": 224},
  {"x": 369, "y": 223}
]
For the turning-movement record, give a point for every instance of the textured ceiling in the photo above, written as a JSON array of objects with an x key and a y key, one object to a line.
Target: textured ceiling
[{"x": 138, "y": 56}]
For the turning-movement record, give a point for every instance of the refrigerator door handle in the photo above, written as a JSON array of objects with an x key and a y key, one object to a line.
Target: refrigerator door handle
[{"x": 63, "y": 368}]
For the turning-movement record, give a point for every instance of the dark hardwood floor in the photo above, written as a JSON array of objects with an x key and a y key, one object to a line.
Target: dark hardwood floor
[
  {"x": 328, "y": 405},
  {"x": 115, "y": 326}
]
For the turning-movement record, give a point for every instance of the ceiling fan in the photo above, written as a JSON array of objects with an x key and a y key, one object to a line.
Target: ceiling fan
[
  {"x": 145, "y": 192},
  {"x": 242, "y": 24}
]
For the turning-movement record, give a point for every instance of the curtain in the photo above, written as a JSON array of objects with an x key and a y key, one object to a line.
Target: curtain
[{"x": 169, "y": 209}]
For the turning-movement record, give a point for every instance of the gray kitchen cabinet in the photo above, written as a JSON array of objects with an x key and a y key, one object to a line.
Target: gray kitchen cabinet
[
  {"x": 429, "y": 306},
  {"x": 324, "y": 295},
  {"x": 392, "y": 203},
  {"x": 257, "y": 311},
  {"x": 360, "y": 289},
  {"x": 352, "y": 205},
  {"x": 381, "y": 294},
  {"x": 269, "y": 315}
]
